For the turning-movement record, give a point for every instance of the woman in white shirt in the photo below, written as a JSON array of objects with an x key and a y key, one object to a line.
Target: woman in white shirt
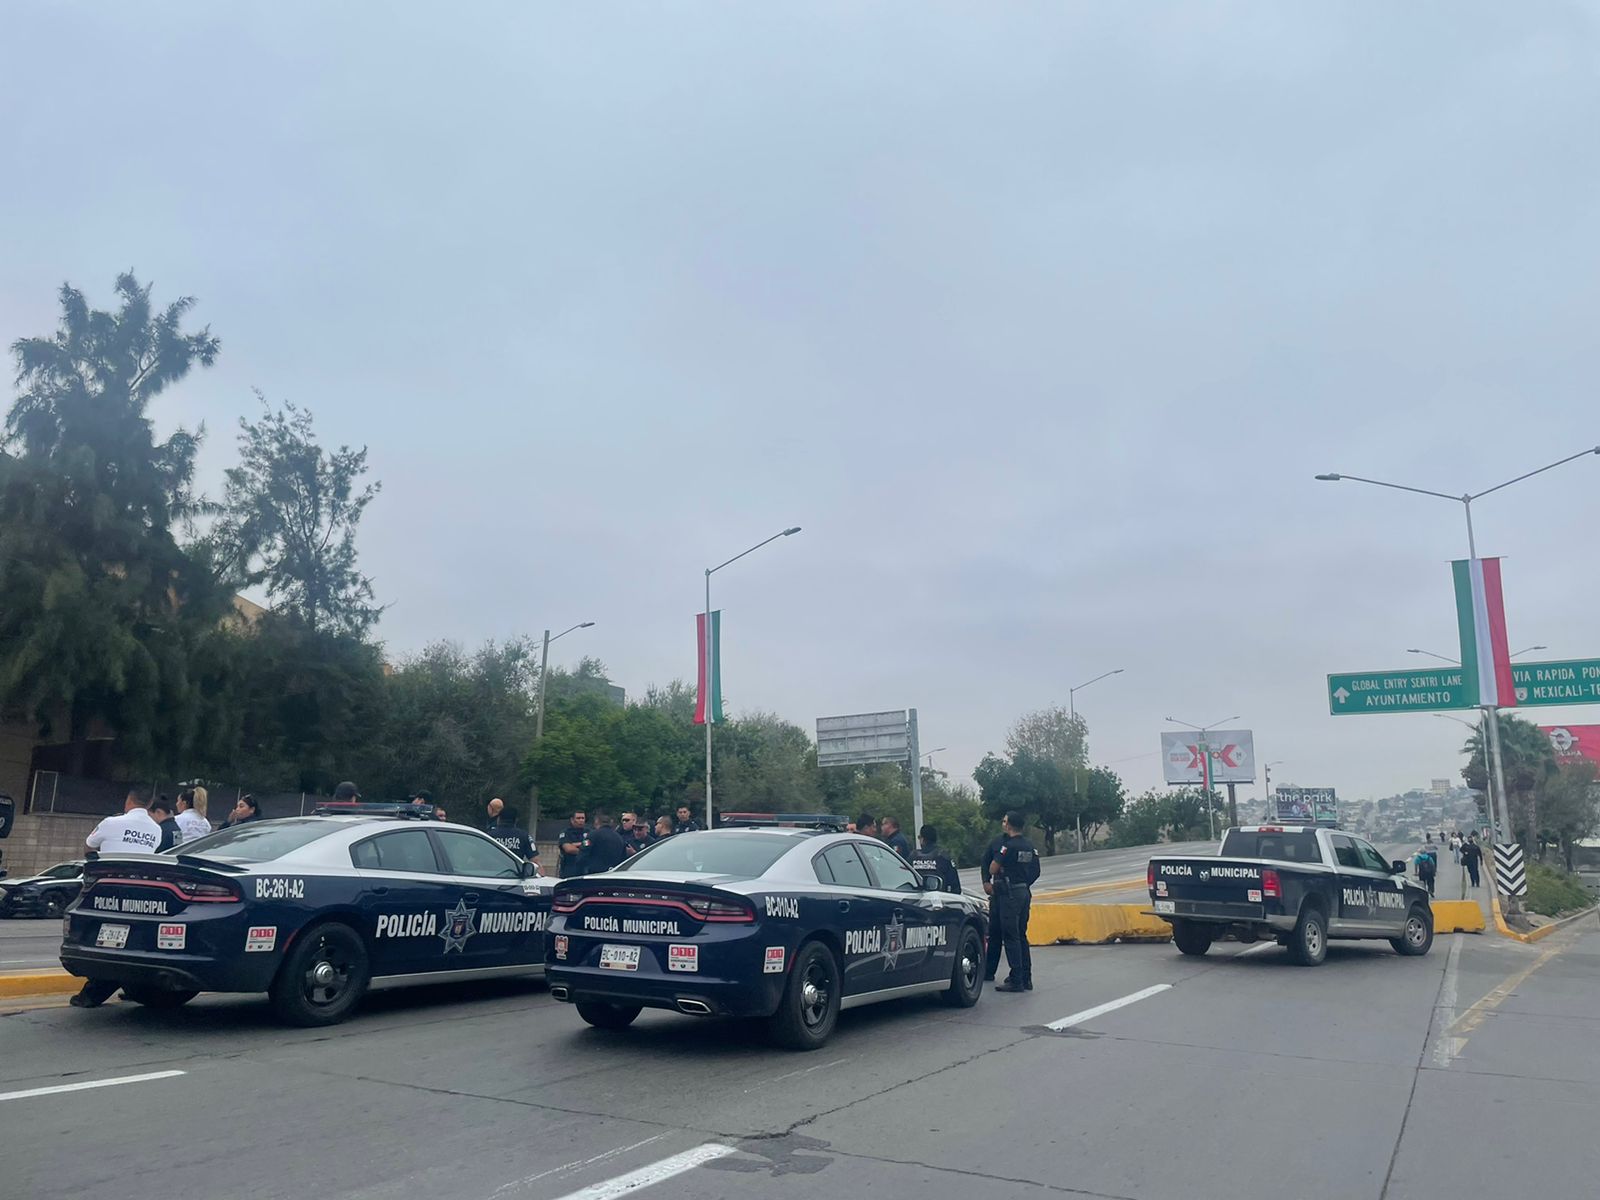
[{"x": 192, "y": 822}]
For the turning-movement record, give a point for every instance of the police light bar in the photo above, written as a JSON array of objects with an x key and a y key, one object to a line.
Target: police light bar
[
  {"x": 374, "y": 808},
  {"x": 753, "y": 820}
]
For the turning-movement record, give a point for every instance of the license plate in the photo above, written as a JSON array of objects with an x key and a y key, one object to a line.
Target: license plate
[
  {"x": 619, "y": 958},
  {"x": 114, "y": 937},
  {"x": 1164, "y": 906}
]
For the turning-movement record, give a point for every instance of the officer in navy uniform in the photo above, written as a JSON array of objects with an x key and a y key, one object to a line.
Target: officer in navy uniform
[
  {"x": 686, "y": 822},
  {"x": 930, "y": 859},
  {"x": 505, "y": 830},
  {"x": 991, "y": 957},
  {"x": 574, "y": 843},
  {"x": 1014, "y": 871}
]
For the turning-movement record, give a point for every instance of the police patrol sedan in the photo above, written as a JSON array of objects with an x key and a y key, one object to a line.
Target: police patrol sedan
[
  {"x": 312, "y": 911},
  {"x": 786, "y": 925}
]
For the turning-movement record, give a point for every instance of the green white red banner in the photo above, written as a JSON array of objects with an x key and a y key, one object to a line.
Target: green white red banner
[
  {"x": 717, "y": 715},
  {"x": 1481, "y": 615}
]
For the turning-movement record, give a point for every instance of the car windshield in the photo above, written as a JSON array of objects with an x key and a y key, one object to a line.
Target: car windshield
[
  {"x": 64, "y": 871},
  {"x": 1284, "y": 847},
  {"x": 258, "y": 841},
  {"x": 707, "y": 853}
]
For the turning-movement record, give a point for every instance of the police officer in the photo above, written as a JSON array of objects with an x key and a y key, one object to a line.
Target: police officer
[
  {"x": 1014, "y": 871},
  {"x": 605, "y": 847},
  {"x": 685, "y": 822},
  {"x": 929, "y": 858},
  {"x": 574, "y": 841},
  {"x": 991, "y": 954},
  {"x": 635, "y": 834},
  {"x": 894, "y": 839},
  {"x": 505, "y": 830}
]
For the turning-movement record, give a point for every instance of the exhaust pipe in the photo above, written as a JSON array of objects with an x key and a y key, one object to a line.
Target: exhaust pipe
[
  {"x": 695, "y": 1008},
  {"x": 560, "y": 992}
]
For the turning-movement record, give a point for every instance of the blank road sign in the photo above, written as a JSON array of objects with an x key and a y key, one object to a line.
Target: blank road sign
[{"x": 863, "y": 738}]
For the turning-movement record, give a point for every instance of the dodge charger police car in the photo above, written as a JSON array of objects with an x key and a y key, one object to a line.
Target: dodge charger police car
[
  {"x": 787, "y": 925},
  {"x": 46, "y": 894},
  {"x": 312, "y": 911}
]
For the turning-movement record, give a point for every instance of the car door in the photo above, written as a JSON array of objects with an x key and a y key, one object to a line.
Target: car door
[
  {"x": 862, "y": 915},
  {"x": 1351, "y": 884},
  {"x": 501, "y": 922},
  {"x": 915, "y": 927},
  {"x": 1387, "y": 907},
  {"x": 406, "y": 901}
]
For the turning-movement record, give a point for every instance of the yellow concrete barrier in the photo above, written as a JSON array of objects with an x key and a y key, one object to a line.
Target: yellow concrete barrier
[
  {"x": 1539, "y": 934},
  {"x": 1049, "y": 924},
  {"x": 38, "y": 983},
  {"x": 1089, "y": 889},
  {"x": 1458, "y": 916}
]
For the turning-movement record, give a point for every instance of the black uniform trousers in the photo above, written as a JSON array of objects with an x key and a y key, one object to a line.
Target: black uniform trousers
[
  {"x": 1016, "y": 906},
  {"x": 991, "y": 955}
]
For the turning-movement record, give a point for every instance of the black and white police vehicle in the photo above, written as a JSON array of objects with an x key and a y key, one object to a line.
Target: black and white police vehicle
[
  {"x": 311, "y": 910},
  {"x": 787, "y": 925},
  {"x": 46, "y": 894}
]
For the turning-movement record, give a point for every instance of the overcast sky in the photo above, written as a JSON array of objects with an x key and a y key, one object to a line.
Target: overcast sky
[{"x": 1039, "y": 319}]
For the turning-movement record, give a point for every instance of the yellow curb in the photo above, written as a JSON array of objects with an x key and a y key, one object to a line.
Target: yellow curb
[
  {"x": 38, "y": 983},
  {"x": 1543, "y": 931},
  {"x": 1089, "y": 889},
  {"x": 1458, "y": 916},
  {"x": 1092, "y": 924}
]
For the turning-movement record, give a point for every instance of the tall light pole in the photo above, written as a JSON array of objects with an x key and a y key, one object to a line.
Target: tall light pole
[
  {"x": 706, "y": 665},
  {"x": 1491, "y": 716},
  {"x": 1072, "y": 712},
  {"x": 1205, "y": 763},
  {"x": 1266, "y": 774},
  {"x": 538, "y": 721}
]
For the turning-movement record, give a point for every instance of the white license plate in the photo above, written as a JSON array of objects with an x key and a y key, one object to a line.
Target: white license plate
[
  {"x": 1164, "y": 906},
  {"x": 113, "y": 936},
  {"x": 619, "y": 958}
]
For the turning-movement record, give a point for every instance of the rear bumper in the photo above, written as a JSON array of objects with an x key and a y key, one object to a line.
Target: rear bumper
[
  {"x": 184, "y": 972},
  {"x": 1210, "y": 913},
  {"x": 698, "y": 995}
]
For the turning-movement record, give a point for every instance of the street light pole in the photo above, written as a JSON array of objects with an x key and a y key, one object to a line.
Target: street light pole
[
  {"x": 1205, "y": 765},
  {"x": 1266, "y": 774},
  {"x": 707, "y": 663},
  {"x": 538, "y": 720},
  {"x": 1072, "y": 716}
]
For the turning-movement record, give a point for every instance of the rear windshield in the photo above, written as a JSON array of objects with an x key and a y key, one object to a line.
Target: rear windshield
[
  {"x": 1284, "y": 847},
  {"x": 257, "y": 841},
  {"x": 707, "y": 853}
]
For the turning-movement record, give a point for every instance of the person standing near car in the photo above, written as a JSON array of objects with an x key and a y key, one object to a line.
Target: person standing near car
[
  {"x": 505, "y": 830},
  {"x": 161, "y": 814},
  {"x": 244, "y": 811},
  {"x": 574, "y": 842},
  {"x": 635, "y": 833},
  {"x": 133, "y": 831},
  {"x": 991, "y": 954},
  {"x": 605, "y": 847},
  {"x": 191, "y": 817},
  {"x": 1014, "y": 871},
  {"x": 685, "y": 822},
  {"x": 894, "y": 839},
  {"x": 930, "y": 859}
]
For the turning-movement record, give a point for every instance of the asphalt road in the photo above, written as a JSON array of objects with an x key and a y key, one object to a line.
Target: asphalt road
[
  {"x": 29, "y": 943},
  {"x": 1472, "y": 1072}
]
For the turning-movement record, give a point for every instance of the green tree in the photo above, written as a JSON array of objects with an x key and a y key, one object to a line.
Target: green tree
[
  {"x": 1571, "y": 806},
  {"x": 1100, "y": 800},
  {"x": 100, "y": 608},
  {"x": 290, "y": 514},
  {"x": 1035, "y": 787},
  {"x": 1143, "y": 821},
  {"x": 1529, "y": 763}
]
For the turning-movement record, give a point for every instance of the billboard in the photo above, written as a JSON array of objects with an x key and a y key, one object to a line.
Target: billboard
[
  {"x": 863, "y": 738},
  {"x": 1232, "y": 753},
  {"x": 1574, "y": 743},
  {"x": 1306, "y": 806}
]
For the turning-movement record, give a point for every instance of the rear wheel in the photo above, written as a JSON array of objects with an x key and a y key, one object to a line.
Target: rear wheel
[
  {"x": 159, "y": 997},
  {"x": 608, "y": 1016},
  {"x": 1417, "y": 939},
  {"x": 966, "y": 978},
  {"x": 54, "y": 905},
  {"x": 323, "y": 977},
  {"x": 1191, "y": 938},
  {"x": 810, "y": 1006},
  {"x": 1308, "y": 945}
]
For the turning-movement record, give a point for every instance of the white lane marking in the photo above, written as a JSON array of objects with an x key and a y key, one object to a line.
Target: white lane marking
[
  {"x": 1446, "y": 1046},
  {"x": 791, "y": 1074},
  {"x": 87, "y": 1084},
  {"x": 1090, "y": 1014},
  {"x": 656, "y": 1172},
  {"x": 1257, "y": 949},
  {"x": 569, "y": 1168}
]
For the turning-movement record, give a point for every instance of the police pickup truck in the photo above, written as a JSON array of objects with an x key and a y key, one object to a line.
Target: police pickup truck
[{"x": 1300, "y": 884}]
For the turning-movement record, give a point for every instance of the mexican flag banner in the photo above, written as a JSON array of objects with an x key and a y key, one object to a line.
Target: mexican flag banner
[
  {"x": 717, "y": 715},
  {"x": 1485, "y": 652}
]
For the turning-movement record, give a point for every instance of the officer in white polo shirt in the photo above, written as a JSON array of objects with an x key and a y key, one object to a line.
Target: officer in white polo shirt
[{"x": 133, "y": 832}]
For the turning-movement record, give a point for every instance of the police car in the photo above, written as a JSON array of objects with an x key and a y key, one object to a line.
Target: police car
[
  {"x": 311, "y": 910},
  {"x": 789, "y": 925},
  {"x": 46, "y": 894}
]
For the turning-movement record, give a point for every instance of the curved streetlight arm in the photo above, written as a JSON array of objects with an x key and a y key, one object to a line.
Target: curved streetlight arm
[
  {"x": 1531, "y": 474},
  {"x": 1334, "y": 477},
  {"x": 1096, "y": 679},
  {"x": 564, "y": 632},
  {"x": 784, "y": 533},
  {"x": 1202, "y": 728}
]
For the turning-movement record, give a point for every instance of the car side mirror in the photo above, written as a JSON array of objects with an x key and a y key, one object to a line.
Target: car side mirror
[
  {"x": 1397, "y": 867},
  {"x": 529, "y": 870},
  {"x": 932, "y": 881}
]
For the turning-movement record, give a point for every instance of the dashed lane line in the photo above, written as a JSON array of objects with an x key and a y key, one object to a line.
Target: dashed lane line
[
  {"x": 87, "y": 1084},
  {"x": 1099, "y": 1010},
  {"x": 656, "y": 1172}
]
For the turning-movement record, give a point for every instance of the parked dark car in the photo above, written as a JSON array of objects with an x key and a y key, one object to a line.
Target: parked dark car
[{"x": 44, "y": 895}]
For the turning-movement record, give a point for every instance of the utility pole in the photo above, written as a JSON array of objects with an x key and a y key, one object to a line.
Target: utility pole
[{"x": 538, "y": 720}]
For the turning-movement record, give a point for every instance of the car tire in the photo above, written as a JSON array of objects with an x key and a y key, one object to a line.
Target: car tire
[
  {"x": 966, "y": 977},
  {"x": 608, "y": 1016},
  {"x": 810, "y": 1006},
  {"x": 324, "y": 976},
  {"x": 158, "y": 998},
  {"x": 55, "y": 905},
  {"x": 1191, "y": 938},
  {"x": 1417, "y": 939},
  {"x": 1308, "y": 945}
]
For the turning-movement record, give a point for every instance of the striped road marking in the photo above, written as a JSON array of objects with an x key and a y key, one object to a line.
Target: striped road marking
[
  {"x": 1090, "y": 1014},
  {"x": 656, "y": 1172},
  {"x": 87, "y": 1084}
]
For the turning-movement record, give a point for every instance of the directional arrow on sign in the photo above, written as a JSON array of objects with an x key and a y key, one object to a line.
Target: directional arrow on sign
[{"x": 1341, "y": 695}]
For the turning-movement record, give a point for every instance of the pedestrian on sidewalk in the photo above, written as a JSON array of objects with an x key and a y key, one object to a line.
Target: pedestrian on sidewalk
[
  {"x": 1427, "y": 868},
  {"x": 1471, "y": 856}
]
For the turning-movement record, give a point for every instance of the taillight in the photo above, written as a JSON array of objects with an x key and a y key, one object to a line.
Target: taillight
[
  {"x": 1150, "y": 877},
  {"x": 1270, "y": 888},
  {"x": 208, "y": 893},
  {"x": 720, "y": 910},
  {"x": 565, "y": 902}
]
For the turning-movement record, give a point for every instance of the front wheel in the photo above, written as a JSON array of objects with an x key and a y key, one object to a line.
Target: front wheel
[
  {"x": 1308, "y": 945},
  {"x": 1417, "y": 939},
  {"x": 608, "y": 1016},
  {"x": 1191, "y": 938},
  {"x": 810, "y": 1006},
  {"x": 966, "y": 977},
  {"x": 323, "y": 977},
  {"x": 54, "y": 905},
  {"x": 159, "y": 997}
]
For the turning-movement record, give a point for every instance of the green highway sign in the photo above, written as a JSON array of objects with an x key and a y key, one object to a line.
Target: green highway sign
[{"x": 1542, "y": 684}]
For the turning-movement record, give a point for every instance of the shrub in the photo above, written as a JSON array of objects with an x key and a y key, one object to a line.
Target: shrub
[{"x": 1553, "y": 892}]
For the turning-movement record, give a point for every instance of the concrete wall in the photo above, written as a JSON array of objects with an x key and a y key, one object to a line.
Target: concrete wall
[{"x": 39, "y": 840}]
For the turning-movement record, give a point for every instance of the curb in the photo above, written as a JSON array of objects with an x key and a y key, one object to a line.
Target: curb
[
  {"x": 38, "y": 983},
  {"x": 1543, "y": 931}
]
